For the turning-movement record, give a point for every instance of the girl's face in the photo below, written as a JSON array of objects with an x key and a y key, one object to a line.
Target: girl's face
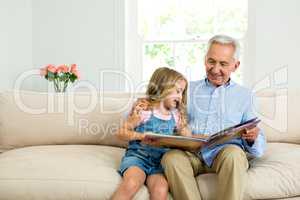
[{"x": 175, "y": 97}]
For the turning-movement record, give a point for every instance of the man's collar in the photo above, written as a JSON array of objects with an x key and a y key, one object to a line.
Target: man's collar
[{"x": 227, "y": 84}]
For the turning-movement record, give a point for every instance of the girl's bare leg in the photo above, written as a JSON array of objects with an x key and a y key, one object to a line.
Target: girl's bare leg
[
  {"x": 158, "y": 187},
  {"x": 133, "y": 179}
]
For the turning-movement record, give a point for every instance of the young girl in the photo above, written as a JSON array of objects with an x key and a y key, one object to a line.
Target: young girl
[{"x": 166, "y": 97}]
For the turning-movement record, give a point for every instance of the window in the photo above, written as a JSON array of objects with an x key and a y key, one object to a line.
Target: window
[{"x": 174, "y": 33}]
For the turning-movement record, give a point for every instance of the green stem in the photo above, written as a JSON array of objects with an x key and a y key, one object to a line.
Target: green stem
[{"x": 65, "y": 85}]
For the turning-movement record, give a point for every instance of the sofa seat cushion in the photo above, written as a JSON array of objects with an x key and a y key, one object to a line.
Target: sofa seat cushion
[
  {"x": 90, "y": 172},
  {"x": 61, "y": 172},
  {"x": 275, "y": 175}
]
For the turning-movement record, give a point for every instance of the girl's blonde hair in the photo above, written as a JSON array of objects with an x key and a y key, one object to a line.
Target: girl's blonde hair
[{"x": 162, "y": 81}]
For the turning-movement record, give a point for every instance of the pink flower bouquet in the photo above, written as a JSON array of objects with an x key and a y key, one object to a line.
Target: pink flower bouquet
[{"x": 60, "y": 75}]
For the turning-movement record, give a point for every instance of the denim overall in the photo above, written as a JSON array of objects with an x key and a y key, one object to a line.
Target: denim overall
[{"x": 144, "y": 156}]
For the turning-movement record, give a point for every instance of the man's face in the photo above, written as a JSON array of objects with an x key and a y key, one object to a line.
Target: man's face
[{"x": 219, "y": 63}]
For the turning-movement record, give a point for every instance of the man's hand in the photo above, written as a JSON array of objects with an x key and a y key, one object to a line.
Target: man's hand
[
  {"x": 134, "y": 115},
  {"x": 250, "y": 135},
  {"x": 139, "y": 105},
  {"x": 200, "y": 136},
  {"x": 195, "y": 147}
]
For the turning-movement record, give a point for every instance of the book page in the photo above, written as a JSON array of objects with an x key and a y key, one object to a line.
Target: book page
[{"x": 183, "y": 142}]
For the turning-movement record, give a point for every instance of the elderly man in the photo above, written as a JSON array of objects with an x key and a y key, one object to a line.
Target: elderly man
[{"x": 215, "y": 103}]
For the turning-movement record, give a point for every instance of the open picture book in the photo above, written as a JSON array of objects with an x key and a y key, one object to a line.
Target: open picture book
[{"x": 183, "y": 142}]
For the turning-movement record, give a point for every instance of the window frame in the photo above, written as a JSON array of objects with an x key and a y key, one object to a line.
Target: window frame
[{"x": 134, "y": 43}]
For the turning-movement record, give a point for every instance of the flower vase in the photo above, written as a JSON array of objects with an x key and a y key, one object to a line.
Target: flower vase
[{"x": 60, "y": 86}]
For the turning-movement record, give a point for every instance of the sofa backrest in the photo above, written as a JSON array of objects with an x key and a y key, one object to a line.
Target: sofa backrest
[
  {"x": 280, "y": 113},
  {"x": 31, "y": 118}
]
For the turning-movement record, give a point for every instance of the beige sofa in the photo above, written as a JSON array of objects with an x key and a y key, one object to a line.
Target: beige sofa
[{"x": 61, "y": 147}]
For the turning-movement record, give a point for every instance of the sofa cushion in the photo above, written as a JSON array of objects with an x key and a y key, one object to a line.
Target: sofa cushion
[
  {"x": 280, "y": 114},
  {"x": 61, "y": 172},
  {"x": 30, "y": 118},
  {"x": 275, "y": 175},
  {"x": 90, "y": 172}
]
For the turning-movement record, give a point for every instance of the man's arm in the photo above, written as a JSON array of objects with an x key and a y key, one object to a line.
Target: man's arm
[
  {"x": 253, "y": 139},
  {"x": 126, "y": 131}
]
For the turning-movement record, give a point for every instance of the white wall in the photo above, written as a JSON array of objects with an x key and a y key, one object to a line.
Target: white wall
[
  {"x": 273, "y": 43},
  {"x": 15, "y": 39},
  {"x": 91, "y": 34},
  {"x": 34, "y": 33}
]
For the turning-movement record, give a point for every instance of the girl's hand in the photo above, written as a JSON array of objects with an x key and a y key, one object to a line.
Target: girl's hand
[
  {"x": 139, "y": 136},
  {"x": 151, "y": 141}
]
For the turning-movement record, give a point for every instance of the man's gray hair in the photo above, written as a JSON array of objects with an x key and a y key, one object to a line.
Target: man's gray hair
[{"x": 224, "y": 39}]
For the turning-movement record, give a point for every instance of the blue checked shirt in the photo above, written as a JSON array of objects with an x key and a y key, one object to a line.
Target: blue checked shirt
[{"x": 212, "y": 109}]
